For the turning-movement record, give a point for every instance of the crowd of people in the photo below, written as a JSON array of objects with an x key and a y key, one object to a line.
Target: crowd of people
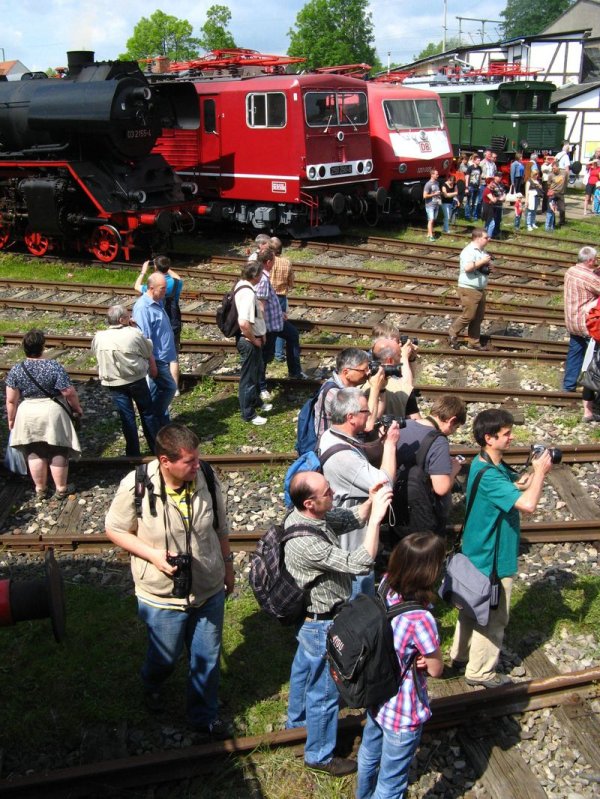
[
  {"x": 384, "y": 485},
  {"x": 533, "y": 185}
]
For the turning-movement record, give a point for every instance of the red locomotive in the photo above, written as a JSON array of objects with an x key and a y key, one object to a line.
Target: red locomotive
[
  {"x": 409, "y": 138},
  {"x": 277, "y": 150},
  {"x": 75, "y": 158}
]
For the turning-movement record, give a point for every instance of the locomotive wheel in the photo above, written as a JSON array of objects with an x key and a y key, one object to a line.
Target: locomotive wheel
[
  {"x": 4, "y": 236},
  {"x": 106, "y": 241},
  {"x": 37, "y": 243}
]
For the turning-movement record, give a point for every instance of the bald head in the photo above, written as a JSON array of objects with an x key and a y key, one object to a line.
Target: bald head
[
  {"x": 157, "y": 286},
  {"x": 310, "y": 493}
]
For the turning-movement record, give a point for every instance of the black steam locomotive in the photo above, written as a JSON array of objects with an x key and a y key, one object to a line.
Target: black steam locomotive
[{"x": 76, "y": 166}]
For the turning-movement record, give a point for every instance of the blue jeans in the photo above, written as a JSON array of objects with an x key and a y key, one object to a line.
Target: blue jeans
[
  {"x": 550, "y": 220},
  {"x": 575, "y": 354},
  {"x": 517, "y": 221},
  {"x": 292, "y": 352},
  {"x": 313, "y": 699},
  {"x": 162, "y": 391},
  {"x": 384, "y": 758},
  {"x": 200, "y": 630},
  {"x": 123, "y": 398},
  {"x": 471, "y": 206},
  {"x": 280, "y": 343},
  {"x": 363, "y": 584},
  {"x": 251, "y": 358},
  {"x": 447, "y": 209}
]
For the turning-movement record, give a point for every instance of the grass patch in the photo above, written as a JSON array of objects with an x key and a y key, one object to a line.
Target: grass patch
[{"x": 20, "y": 267}]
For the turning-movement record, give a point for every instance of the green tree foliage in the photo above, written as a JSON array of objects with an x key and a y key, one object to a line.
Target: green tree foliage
[
  {"x": 162, "y": 34},
  {"x": 528, "y": 17},
  {"x": 333, "y": 32},
  {"x": 215, "y": 35},
  {"x": 433, "y": 48}
]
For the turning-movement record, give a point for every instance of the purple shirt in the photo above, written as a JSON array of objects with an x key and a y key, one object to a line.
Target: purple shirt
[{"x": 272, "y": 308}]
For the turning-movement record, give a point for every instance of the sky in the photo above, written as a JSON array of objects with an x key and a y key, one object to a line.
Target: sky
[{"x": 39, "y": 32}]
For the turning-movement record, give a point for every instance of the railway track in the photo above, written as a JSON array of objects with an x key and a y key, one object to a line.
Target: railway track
[{"x": 462, "y": 707}]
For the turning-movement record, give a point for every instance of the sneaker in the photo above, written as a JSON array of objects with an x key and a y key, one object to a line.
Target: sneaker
[
  {"x": 301, "y": 376},
  {"x": 453, "y": 342},
  {"x": 266, "y": 406},
  {"x": 264, "y": 395},
  {"x": 258, "y": 420},
  {"x": 593, "y": 418},
  {"x": 494, "y": 682},
  {"x": 177, "y": 393},
  {"x": 337, "y": 766},
  {"x": 154, "y": 701},
  {"x": 529, "y": 228},
  {"x": 534, "y": 226},
  {"x": 430, "y": 238},
  {"x": 219, "y": 730}
]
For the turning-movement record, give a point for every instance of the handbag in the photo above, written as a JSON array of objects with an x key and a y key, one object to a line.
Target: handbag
[
  {"x": 511, "y": 195},
  {"x": 590, "y": 376},
  {"x": 14, "y": 460},
  {"x": 75, "y": 420},
  {"x": 464, "y": 586}
]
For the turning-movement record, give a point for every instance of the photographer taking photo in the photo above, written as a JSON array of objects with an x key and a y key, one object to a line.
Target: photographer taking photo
[
  {"x": 472, "y": 283},
  {"x": 172, "y": 520},
  {"x": 390, "y": 387}
]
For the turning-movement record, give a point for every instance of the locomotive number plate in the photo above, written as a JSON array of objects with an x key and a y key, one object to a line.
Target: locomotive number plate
[
  {"x": 342, "y": 169},
  {"x": 425, "y": 146},
  {"x": 279, "y": 185}
]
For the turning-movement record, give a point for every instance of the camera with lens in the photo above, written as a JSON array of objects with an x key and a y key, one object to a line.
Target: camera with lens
[
  {"x": 539, "y": 449},
  {"x": 405, "y": 339},
  {"x": 485, "y": 269},
  {"x": 390, "y": 369},
  {"x": 182, "y": 579},
  {"x": 385, "y": 422}
]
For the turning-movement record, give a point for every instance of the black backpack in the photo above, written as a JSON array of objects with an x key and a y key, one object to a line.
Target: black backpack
[
  {"x": 172, "y": 308},
  {"x": 226, "y": 315},
  {"x": 360, "y": 649},
  {"x": 275, "y": 589},
  {"x": 414, "y": 501}
]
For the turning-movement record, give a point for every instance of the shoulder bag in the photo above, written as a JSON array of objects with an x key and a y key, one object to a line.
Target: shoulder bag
[
  {"x": 464, "y": 586},
  {"x": 75, "y": 420}
]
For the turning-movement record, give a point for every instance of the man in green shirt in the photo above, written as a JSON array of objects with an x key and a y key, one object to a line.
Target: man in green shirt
[{"x": 494, "y": 515}]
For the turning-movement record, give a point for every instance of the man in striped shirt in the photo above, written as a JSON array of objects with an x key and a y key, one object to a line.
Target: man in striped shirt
[
  {"x": 319, "y": 562},
  {"x": 582, "y": 289}
]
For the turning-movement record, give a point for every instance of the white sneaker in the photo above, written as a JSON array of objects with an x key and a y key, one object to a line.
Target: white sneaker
[
  {"x": 529, "y": 228},
  {"x": 177, "y": 393},
  {"x": 266, "y": 406},
  {"x": 534, "y": 226},
  {"x": 258, "y": 420},
  {"x": 264, "y": 395}
]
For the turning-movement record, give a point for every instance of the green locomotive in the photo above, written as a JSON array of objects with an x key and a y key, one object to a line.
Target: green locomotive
[{"x": 509, "y": 116}]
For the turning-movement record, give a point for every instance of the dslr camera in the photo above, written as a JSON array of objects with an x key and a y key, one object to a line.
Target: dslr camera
[
  {"x": 405, "y": 339},
  {"x": 182, "y": 579},
  {"x": 485, "y": 269},
  {"x": 389, "y": 369},
  {"x": 539, "y": 449},
  {"x": 385, "y": 422}
]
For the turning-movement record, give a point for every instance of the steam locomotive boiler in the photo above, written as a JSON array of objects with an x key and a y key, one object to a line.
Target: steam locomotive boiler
[{"x": 76, "y": 166}]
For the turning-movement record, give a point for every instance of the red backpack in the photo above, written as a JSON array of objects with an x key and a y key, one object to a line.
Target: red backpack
[{"x": 592, "y": 322}]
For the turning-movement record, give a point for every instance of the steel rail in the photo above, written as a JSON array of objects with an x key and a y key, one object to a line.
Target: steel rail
[
  {"x": 222, "y": 346},
  {"x": 412, "y": 302},
  {"x": 508, "y": 342},
  {"x": 166, "y": 766}
]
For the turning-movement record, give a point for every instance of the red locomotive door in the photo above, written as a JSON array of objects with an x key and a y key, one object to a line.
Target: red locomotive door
[{"x": 210, "y": 156}]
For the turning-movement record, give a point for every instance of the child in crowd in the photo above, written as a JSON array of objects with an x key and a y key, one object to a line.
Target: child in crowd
[
  {"x": 518, "y": 210},
  {"x": 550, "y": 212},
  {"x": 393, "y": 730}
]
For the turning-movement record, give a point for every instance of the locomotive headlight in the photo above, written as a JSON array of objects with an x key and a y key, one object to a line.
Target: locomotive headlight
[
  {"x": 446, "y": 163},
  {"x": 322, "y": 171},
  {"x": 402, "y": 168},
  {"x": 312, "y": 172},
  {"x": 360, "y": 167},
  {"x": 368, "y": 167}
]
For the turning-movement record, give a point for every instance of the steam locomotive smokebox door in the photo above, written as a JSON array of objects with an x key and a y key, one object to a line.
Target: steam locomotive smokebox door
[{"x": 42, "y": 197}]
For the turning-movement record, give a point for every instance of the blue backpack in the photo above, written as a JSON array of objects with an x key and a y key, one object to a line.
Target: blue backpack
[
  {"x": 309, "y": 462},
  {"x": 306, "y": 436}
]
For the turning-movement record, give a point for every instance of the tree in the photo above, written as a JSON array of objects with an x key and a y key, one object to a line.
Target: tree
[
  {"x": 528, "y": 17},
  {"x": 433, "y": 48},
  {"x": 164, "y": 35},
  {"x": 334, "y": 32},
  {"x": 215, "y": 35}
]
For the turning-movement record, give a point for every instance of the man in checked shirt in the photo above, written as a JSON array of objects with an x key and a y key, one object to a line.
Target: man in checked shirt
[{"x": 322, "y": 564}]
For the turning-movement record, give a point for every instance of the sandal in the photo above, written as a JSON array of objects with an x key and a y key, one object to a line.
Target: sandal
[
  {"x": 41, "y": 493},
  {"x": 67, "y": 491}
]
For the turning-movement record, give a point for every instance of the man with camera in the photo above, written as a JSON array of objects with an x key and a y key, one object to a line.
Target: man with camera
[
  {"x": 472, "y": 283},
  {"x": 491, "y": 536},
  {"x": 390, "y": 387},
  {"x": 172, "y": 520},
  {"x": 348, "y": 470}
]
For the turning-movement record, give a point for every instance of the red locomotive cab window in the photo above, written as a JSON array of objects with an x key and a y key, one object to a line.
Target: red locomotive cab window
[
  {"x": 320, "y": 109},
  {"x": 210, "y": 116},
  {"x": 352, "y": 108},
  {"x": 266, "y": 110}
]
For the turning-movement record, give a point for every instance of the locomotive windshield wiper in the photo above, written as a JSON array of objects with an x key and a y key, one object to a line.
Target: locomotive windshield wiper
[
  {"x": 328, "y": 123},
  {"x": 350, "y": 121}
]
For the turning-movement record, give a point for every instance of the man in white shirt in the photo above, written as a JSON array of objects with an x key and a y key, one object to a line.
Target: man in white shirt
[
  {"x": 250, "y": 342},
  {"x": 472, "y": 282}
]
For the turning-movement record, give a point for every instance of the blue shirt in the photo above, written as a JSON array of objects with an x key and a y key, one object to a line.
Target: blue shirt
[
  {"x": 154, "y": 323},
  {"x": 173, "y": 287}
]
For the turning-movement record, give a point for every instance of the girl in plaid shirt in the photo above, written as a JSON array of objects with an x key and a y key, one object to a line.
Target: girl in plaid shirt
[{"x": 393, "y": 730}]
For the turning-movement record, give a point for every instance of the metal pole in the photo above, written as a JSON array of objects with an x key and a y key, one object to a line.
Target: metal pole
[
  {"x": 445, "y": 24},
  {"x": 3, "y": 56}
]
